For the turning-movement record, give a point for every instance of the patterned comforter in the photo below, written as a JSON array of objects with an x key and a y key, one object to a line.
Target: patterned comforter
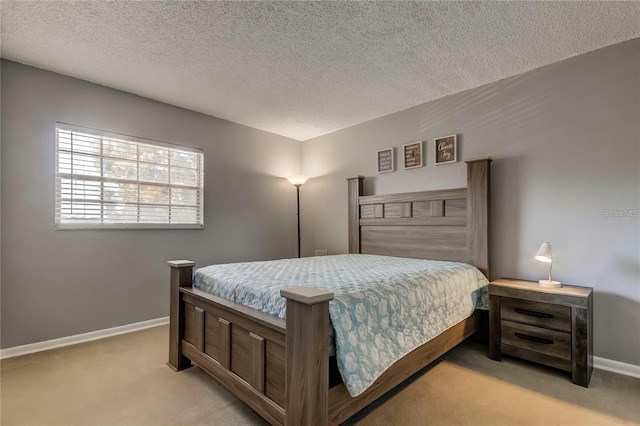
[{"x": 384, "y": 307}]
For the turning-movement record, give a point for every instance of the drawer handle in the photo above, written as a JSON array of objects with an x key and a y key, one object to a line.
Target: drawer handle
[
  {"x": 534, "y": 339},
  {"x": 532, "y": 313}
]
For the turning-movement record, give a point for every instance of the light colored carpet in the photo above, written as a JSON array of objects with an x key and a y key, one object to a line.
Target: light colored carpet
[{"x": 124, "y": 381}]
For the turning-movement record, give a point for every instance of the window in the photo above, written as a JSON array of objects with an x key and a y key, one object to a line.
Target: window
[{"x": 106, "y": 180}]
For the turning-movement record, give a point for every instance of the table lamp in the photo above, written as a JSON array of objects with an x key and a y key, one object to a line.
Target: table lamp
[{"x": 544, "y": 255}]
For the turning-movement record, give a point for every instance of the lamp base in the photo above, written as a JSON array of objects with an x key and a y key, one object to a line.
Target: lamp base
[{"x": 549, "y": 284}]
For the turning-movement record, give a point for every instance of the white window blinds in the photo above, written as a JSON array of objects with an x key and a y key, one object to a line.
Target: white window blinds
[{"x": 106, "y": 180}]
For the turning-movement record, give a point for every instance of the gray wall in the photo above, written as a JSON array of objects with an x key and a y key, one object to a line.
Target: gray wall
[
  {"x": 566, "y": 145},
  {"x": 59, "y": 283}
]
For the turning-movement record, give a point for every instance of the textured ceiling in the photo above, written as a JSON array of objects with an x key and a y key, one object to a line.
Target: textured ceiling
[{"x": 302, "y": 69}]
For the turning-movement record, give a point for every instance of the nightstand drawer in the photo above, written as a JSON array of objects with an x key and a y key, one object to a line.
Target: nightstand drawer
[
  {"x": 549, "y": 342},
  {"x": 547, "y": 315}
]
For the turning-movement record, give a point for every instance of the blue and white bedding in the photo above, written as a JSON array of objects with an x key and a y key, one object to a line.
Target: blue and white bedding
[{"x": 384, "y": 307}]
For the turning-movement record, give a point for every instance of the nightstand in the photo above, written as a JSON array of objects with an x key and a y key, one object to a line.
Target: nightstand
[{"x": 550, "y": 326}]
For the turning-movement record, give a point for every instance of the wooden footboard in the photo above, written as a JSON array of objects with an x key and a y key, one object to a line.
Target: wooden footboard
[{"x": 278, "y": 368}]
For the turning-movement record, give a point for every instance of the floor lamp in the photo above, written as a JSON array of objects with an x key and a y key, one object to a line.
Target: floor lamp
[{"x": 298, "y": 181}]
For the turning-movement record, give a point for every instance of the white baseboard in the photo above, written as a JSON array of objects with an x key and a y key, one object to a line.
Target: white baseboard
[
  {"x": 598, "y": 362},
  {"x": 616, "y": 366},
  {"x": 80, "y": 338}
]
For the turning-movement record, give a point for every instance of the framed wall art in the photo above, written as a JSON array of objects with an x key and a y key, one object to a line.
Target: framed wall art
[
  {"x": 412, "y": 155},
  {"x": 386, "y": 160},
  {"x": 445, "y": 150}
]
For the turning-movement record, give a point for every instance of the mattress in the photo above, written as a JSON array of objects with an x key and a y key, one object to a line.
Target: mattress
[{"x": 384, "y": 307}]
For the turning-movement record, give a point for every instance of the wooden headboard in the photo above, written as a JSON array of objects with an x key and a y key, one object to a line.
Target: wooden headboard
[{"x": 450, "y": 224}]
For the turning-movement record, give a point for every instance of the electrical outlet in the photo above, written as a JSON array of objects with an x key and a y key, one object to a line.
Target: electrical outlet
[{"x": 321, "y": 252}]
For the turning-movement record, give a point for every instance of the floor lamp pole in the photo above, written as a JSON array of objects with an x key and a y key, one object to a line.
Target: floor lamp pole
[
  {"x": 298, "y": 181},
  {"x": 298, "y": 197}
]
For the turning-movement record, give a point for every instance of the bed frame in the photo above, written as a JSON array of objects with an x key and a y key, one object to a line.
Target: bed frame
[{"x": 281, "y": 368}]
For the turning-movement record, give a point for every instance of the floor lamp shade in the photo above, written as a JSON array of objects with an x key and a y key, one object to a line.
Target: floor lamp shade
[{"x": 298, "y": 181}]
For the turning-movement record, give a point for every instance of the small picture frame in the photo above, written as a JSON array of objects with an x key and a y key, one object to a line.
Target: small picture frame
[
  {"x": 445, "y": 150},
  {"x": 413, "y": 156},
  {"x": 386, "y": 160}
]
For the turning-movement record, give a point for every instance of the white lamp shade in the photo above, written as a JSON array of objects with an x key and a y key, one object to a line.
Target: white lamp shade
[
  {"x": 298, "y": 180},
  {"x": 544, "y": 253}
]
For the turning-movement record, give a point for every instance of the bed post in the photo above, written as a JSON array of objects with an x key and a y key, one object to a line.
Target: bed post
[
  {"x": 478, "y": 191},
  {"x": 355, "y": 191},
  {"x": 181, "y": 276},
  {"x": 307, "y": 356}
]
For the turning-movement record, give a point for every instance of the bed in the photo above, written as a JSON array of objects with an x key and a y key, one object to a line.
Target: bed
[{"x": 230, "y": 319}]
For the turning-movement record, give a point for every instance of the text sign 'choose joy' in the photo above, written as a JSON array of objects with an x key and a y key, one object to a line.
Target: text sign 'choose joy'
[{"x": 446, "y": 150}]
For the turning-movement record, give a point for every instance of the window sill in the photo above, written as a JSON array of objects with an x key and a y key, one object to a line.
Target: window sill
[{"x": 100, "y": 227}]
